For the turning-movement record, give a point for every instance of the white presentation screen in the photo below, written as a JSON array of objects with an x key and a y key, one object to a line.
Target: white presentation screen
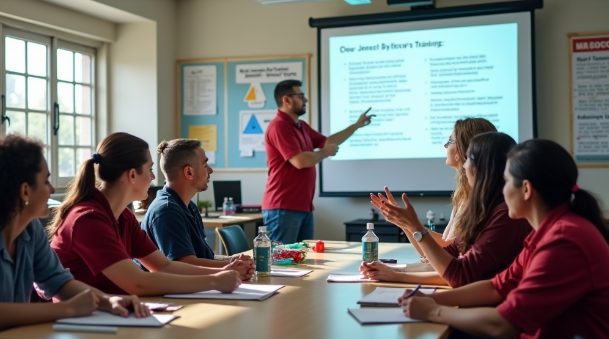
[{"x": 419, "y": 77}]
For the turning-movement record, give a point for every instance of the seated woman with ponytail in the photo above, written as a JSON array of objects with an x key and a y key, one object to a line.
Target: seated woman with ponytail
[
  {"x": 96, "y": 236},
  {"x": 558, "y": 287}
]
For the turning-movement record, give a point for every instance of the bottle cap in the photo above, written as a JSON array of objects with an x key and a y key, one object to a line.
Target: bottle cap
[
  {"x": 262, "y": 229},
  {"x": 369, "y": 226}
]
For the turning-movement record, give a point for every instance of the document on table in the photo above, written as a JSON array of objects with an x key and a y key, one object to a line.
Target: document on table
[
  {"x": 243, "y": 292},
  {"x": 107, "y": 319},
  {"x": 380, "y": 315},
  {"x": 388, "y": 296},
  {"x": 289, "y": 272},
  {"x": 348, "y": 277}
]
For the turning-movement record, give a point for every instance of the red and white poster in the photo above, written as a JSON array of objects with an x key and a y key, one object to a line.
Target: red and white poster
[{"x": 590, "y": 98}]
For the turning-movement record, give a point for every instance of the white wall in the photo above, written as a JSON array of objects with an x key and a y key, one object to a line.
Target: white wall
[{"x": 212, "y": 28}]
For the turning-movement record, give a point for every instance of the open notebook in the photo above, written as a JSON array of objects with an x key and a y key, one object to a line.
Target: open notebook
[
  {"x": 107, "y": 319},
  {"x": 243, "y": 292}
]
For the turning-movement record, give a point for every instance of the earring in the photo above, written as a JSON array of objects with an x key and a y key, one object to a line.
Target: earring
[{"x": 27, "y": 202}]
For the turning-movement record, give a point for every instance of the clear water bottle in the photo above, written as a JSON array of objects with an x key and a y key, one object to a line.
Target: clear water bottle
[
  {"x": 370, "y": 244},
  {"x": 225, "y": 206},
  {"x": 430, "y": 216},
  {"x": 232, "y": 209},
  {"x": 262, "y": 253}
]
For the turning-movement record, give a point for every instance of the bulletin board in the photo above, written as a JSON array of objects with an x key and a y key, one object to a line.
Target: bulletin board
[
  {"x": 589, "y": 98},
  {"x": 227, "y": 103}
]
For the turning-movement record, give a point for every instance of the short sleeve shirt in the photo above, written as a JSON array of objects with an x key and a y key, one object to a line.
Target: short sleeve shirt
[
  {"x": 176, "y": 229},
  {"x": 558, "y": 287},
  {"x": 34, "y": 262},
  {"x": 288, "y": 187},
  {"x": 90, "y": 240}
]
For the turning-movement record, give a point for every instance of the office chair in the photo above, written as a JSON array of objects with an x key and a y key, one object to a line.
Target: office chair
[{"x": 233, "y": 239}]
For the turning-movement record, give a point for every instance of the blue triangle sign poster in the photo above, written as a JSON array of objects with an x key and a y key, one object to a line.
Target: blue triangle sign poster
[{"x": 253, "y": 127}]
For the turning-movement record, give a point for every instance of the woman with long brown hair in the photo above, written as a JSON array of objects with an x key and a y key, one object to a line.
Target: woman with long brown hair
[
  {"x": 96, "y": 236},
  {"x": 487, "y": 239}
]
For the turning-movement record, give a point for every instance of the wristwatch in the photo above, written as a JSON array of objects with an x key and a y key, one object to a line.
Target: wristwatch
[{"x": 418, "y": 236}]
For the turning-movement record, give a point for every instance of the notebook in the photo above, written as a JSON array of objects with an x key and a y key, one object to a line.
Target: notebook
[
  {"x": 388, "y": 296},
  {"x": 348, "y": 277},
  {"x": 380, "y": 315}
]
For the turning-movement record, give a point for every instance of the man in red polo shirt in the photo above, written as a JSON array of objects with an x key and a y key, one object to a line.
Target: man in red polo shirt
[{"x": 293, "y": 149}]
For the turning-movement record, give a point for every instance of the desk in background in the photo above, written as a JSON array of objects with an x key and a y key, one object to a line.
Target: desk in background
[
  {"x": 307, "y": 308},
  {"x": 386, "y": 231}
]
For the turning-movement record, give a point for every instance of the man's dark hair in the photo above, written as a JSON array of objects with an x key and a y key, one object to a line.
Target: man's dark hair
[{"x": 285, "y": 87}]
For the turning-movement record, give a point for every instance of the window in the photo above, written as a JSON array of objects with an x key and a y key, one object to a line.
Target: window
[{"x": 49, "y": 94}]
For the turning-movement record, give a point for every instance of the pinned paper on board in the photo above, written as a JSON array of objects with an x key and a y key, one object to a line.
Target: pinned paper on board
[
  {"x": 252, "y": 125},
  {"x": 254, "y": 96},
  {"x": 208, "y": 135}
]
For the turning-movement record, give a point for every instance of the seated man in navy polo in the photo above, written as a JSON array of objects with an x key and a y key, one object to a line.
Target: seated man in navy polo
[{"x": 173, "y": 221}]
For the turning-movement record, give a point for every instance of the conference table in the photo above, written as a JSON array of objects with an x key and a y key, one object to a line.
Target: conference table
[{"x": 306, "y": 308}]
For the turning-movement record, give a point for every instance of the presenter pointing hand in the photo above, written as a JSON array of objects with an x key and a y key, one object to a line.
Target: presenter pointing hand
[{"x": 293, "y": 149}]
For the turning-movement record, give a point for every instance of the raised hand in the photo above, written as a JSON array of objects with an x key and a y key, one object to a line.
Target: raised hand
[{"x": 404, "y": 217}]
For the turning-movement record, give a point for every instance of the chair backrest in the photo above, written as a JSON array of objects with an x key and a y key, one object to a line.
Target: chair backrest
[{"x": 233, "y": 239}]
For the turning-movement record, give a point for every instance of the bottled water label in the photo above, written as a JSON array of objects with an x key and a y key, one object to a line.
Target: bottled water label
[
  {"x": 370, "y": 251},
  {"x": 263, "y": 259}
]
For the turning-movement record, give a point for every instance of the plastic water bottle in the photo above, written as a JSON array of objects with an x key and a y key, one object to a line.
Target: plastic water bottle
[
  {"x": 226, "y": 207},
  {"x": 430, "y": 216},
  {"x": 231, "y": 206},
  {"x": 370, "y": 244},
  {"x": 262, "y": 253}
]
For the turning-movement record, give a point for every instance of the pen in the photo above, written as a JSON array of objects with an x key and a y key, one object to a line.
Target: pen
[
  {"x": 85, "y": 328},
  {"x": 413, "y": 292}
]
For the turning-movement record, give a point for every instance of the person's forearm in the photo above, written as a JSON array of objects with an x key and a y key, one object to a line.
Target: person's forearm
[
  {"x": 177, "y": 267},
  {"x": 18, "y": 314},
  {"x": 479, "y": 293},
  {"x": 340, "y": 137},
  {"x": 437, "y": 256},
  {"x": 425, "y": 278},
  {"x": 212, "y": 263},
  {"x": 308, "y": 159},
  {"x": 158, "y": 283},
  {"x": 481, "y": 321}
]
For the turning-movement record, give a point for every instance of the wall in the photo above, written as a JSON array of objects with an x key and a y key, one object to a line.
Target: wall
[{"x": 212, "y": 28}]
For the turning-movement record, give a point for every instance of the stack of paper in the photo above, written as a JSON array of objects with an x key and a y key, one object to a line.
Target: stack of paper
[
  {"x": 348, "y": 277},
  {"x": 107, "y": 319},
  {"x": 243, "y": 292},
  {"x": 289, "y": 272},
  {"x": 388, "y": 296}
]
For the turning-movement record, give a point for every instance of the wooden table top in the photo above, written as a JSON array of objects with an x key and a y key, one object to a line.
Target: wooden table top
[{"x": 306, "y": 308}]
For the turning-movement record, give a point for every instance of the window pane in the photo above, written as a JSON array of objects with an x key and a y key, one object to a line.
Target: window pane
[
  {"x": 65, "y": 96},
  {"x": 37, "y": 93},
  {"x": 36, "y": 59},
  {"x": 82, "y": 68},
  {"x": 15, "y": 91},
  {"x": 17, "y": 125},
  {"x": 83, "y": 99},
  {"x": 82, "y": 154},
  {"x": 65, "y": 159},
  {"x": 15, "y": 55},
  {"x": 66, "y": 130},
  {"x": 83, "y": 131},
  {"x": 38, "y": 127},
  {"x": 65, "y": 65}
]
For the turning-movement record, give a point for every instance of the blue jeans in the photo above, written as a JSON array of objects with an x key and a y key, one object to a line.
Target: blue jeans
[{"x": 288, "y": 226}]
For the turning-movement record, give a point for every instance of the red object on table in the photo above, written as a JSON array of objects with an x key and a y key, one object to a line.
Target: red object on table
[{"x": 319, "y": 246}]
